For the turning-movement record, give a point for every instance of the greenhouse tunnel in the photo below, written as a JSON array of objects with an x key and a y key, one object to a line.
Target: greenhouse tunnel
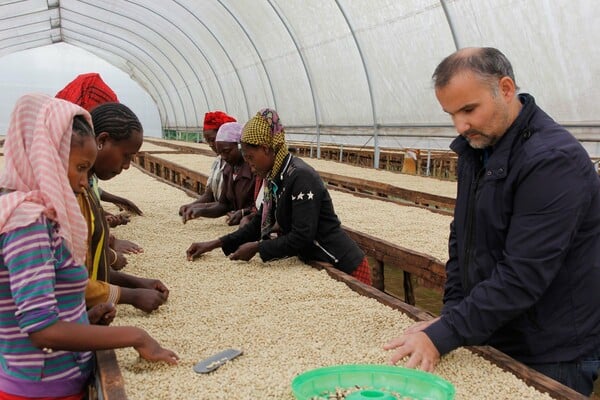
[{"x": 338, "y": 71}]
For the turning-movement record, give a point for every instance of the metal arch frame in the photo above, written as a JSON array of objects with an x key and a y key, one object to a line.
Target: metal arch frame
[
  {"x": 135, "y": 34},
  {"x": 47, "y": 31},
  {"x": 450, "y": 24},
  {"x": 369, "y": 84},
  {"x": 25, "y": 45},
  {"x": 126, "y": 52},
  {"x": 211, "y": 67},
  {"x": 178, "y": 51},
  {"x": 262, "y": 61},
  {"x": 46, "y": 41},
  {"x": 45, "y": 38},
  {"x": 187, "y": 62},
  {"x": 310, "y": 83},
  {"x": 81, "y": 43}
]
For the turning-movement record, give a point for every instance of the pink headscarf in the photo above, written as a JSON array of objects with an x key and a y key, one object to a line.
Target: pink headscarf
[
  {"x": 229, "y": 132},
  {"x": 36, "y": 153}
]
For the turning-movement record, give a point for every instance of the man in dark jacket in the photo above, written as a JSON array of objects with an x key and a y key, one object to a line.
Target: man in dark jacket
[{"x": 523, "y": 273}]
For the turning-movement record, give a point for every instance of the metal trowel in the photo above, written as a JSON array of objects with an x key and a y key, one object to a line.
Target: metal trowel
[{"x": 213, "y": 362}]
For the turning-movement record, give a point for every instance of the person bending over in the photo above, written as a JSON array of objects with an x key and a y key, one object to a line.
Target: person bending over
[
  {"x": 237, "y": 195},
  {"x": 524, "y": 245},
  {"x": 296, "y": 217}
]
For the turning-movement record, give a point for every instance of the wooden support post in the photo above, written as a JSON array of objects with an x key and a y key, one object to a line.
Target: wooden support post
[
  {"x": 409, "y": 294},
  {"x": 377, "y": 275}
]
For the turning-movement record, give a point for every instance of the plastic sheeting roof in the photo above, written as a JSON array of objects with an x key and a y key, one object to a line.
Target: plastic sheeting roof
[{"x": 359, "y": 67}]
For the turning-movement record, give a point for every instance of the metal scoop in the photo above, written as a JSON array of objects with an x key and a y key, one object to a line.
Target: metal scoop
[{"x": 213, "y": 362}]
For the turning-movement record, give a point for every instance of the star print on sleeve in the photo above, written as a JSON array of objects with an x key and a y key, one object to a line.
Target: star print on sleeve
[{"x": 301, "y": 196}]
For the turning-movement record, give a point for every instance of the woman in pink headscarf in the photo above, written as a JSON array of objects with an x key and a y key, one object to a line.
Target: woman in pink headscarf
[
  {"x": 237, "y": 192},
  {"x": 46, "y": 341}
]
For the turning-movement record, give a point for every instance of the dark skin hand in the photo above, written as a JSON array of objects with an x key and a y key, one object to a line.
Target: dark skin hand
[
  {"x": 116, "y": 220},
  {"x": 126, "y": 247},
  {"x": 147, "y": 300},
  {"x": 102, "y": 314},
  {"x": 246, "y": 219},
  {"x": 234, "y": 217},
  {"x": 197, "y": 203},
  {"x": 206, "y": 197},
  {"x": 245, "y": 252},
  {"x": 209, "y": 210},
  {"x": 121, "y": 202},
  {"x": 191, "y": 211},
  {"x": 120, "y": 263},
  {"x": 142, "y": 293},
  {"x": 129, "y": 206},
  {"x": 199, "y": 248}
]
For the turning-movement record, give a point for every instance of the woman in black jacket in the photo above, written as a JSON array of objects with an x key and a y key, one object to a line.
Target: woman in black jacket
[{"x": 297, "y": 216}]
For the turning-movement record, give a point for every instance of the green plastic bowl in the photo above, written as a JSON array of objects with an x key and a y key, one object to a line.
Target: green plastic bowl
[{"x": 377, "y": 382}]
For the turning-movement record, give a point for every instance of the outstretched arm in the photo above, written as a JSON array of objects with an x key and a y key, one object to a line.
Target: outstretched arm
[
  {"x": 72, "y": 336},
  {"x": 121, "y": 202}
]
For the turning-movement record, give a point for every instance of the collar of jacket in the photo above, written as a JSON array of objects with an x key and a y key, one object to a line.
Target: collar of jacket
[
  {"x": 518, "y": 131},
  {"x": 285, "y": 165}
]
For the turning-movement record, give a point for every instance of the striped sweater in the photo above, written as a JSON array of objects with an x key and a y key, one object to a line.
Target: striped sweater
[{"x": 40, "y": 283}]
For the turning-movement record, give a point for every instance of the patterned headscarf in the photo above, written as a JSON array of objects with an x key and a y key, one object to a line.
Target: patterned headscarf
[
  {"x": 229, "y": 132},
  {"x": 265, "y": 128},
  {"x": 213, "y": 120},
  {"x": 36, "y": 153},
  {"x": 88, "y": 91}
]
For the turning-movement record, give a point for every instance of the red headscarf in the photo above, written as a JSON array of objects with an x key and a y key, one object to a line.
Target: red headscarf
[
  {"x": 214, "y": 119},
  {"x": 88, "y": 91}
]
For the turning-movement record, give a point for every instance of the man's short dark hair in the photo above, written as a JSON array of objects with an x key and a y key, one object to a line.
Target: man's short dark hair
[{"x": 487, "y": 62}]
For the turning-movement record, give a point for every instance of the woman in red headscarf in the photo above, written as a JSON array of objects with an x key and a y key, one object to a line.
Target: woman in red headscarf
[
  {"x": 212, "y": 122},
  {"x": 89, "y": 91}
]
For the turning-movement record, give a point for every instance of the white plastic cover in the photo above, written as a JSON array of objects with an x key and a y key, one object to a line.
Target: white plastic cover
[{"x": 345, "y": 71}]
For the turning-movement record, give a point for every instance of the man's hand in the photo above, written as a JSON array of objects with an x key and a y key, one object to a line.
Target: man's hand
[{"x": 420, "y": 350}]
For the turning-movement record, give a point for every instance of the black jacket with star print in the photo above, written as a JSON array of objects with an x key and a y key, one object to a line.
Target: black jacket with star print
[{"x": 308, "y": 225}]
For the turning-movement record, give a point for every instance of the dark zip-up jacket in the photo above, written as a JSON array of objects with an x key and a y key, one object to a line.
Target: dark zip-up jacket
[
  {"x": 309, "y": 227},
  {"x": 523, "y": 273}
]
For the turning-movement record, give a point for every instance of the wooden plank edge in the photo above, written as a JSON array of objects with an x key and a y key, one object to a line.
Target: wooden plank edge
[
  {"x": 530, "y": 376},
  {"x": 189, "y": 192},
  {"x": 111, "y": 383},
  {"x": 395, "y": 200}
]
